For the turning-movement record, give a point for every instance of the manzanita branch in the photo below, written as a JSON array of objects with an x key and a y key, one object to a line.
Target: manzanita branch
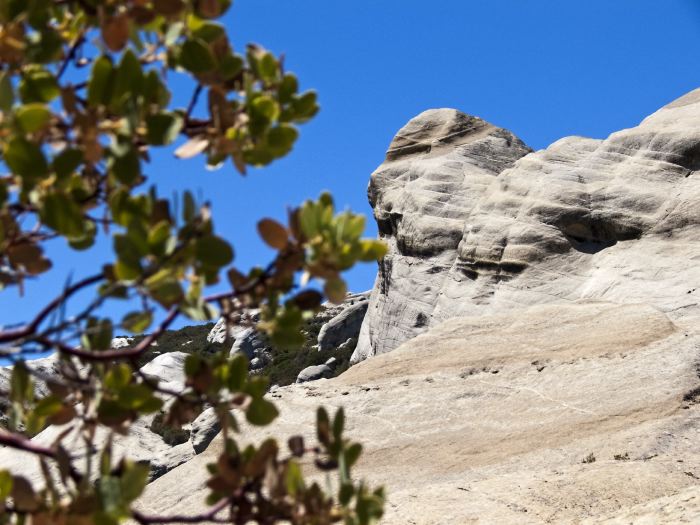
[
  {"x": 31, "y": 328},
  {"x": 21, "y": 443}
]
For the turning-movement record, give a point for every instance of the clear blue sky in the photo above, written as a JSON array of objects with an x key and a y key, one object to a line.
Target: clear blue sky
[{"x": 541, "y": 68}]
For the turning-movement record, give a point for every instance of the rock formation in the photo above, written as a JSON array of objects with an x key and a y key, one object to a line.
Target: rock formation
[
  {"x": 534, "y": 334},
  {"x": 491, "y": 418},
  {"x": 556, "y": 378},
  {"x": 476, "y": 225}
]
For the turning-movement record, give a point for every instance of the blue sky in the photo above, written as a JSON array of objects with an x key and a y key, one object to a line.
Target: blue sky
[{"x": 542, "y": 68}]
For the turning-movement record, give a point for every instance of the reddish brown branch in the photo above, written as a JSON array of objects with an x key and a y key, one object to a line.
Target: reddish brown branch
[
  {"x": 71, "y": 53},
  {"x": 21, "y": 443},
  {"x": 31, "y": 328}
]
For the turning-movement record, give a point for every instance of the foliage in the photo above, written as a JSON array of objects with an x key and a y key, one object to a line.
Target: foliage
[{"x": 84, "y": 99}]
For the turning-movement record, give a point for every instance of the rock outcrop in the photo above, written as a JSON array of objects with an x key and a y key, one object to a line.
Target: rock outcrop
[
  {"x": 489, "y": 419},
  {"x": 476, "y": 225},
  {"x": 346, "y": 325}
]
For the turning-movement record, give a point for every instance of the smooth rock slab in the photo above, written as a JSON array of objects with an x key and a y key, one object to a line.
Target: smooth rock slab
[
  {"x": 204, "y": 428},
  {"x": 488, "y": 418}
]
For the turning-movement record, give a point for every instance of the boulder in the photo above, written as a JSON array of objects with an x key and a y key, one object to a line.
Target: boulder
[
  {"x": 476, "y": 225},
  {"x": 218, "y": 333},
  {"x": 121, "y": 342},
  {"x": 346, "y": 325},
  {"x": 314, "y": 373},
  {"x": 169, "y": 369},
  {"x": 249, "y": 342},
  {"x": 204, "y": 428}
]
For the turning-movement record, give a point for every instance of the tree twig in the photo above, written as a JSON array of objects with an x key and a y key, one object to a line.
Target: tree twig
[
  {"x": 71, "y": 54},
  {"x": 31, "y": 328}
]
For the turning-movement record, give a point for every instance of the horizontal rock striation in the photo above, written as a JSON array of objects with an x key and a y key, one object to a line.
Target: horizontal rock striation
[{"x": 476, "y": 224}]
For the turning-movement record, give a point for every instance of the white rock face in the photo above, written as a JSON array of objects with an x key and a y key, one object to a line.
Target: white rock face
[
  {"x": 204, "y": 428},
  {"x": 475, "y": 226},
  {"x": 488, "y": 419},
  {"x": 346, "y": 325},
  {"x": 169, "y": 369}
]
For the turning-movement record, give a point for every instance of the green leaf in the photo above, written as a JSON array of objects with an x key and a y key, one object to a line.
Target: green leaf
[
  {"x": 287, "y": 88},
  {"x": 209, "y": 32},
  {"x": 97, "y": 334},
  {"x": 213, "y": 251},
  {"x": 101, "y": 82},
  {"x": 21, "y": 385},
  {"x": 280, "y": 139},
  {"x": 38, "y": 85},
  {"x": 352, "y": 454},
  {"x": 127, "y": 80},
  {"x": 294, "y": 480},
  {"x": 109, "y": 491},
  {"x": 373, "y": 250},
  {"x": 162, "y": 128},
  {"x": 196, "y": 56},
  {"x": 346, "y": 492},
  {"x": 127, "y": 167},
  {"x": 7, "y": 93},
  {"x": 189, "y": 208},
  {"x": 173, "y": 33},
  {"x": 154, "y": 91},
  {"x": 238, "y": 373},
  {"x": 134, "y": 480},
  {"x": 25, "y": 158},
  {"x": 335, "y": 289},
  {"x": 268, "y": 67},
  {"x": 66, "y": 162},
  {"x": 305, "y": 106},
  {"x": 62, "y": 214},
  {"x": 261, "y": 412},
  {"x": 265, "y": 108},
  {"x": 118, "y": 376},
  {"x": 230, "y": 66},
  {"x": 137, "y": 322},
  {"x": 323, "y": 426},
  {"x": 167, "y": 293},
  {"x": 339, "y": 424},
  {"x": 139, "y": 397},
  {"x": 48, "y": 406},
  {"x": 5, "y": 484}
]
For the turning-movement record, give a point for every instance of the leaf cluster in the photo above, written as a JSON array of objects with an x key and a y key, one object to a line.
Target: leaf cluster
[{"x": 84, "y": 102}]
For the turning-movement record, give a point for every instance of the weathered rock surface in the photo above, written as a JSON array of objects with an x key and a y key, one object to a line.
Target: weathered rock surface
[
  {"x": 476, "y": 226},
  {"x": 346, "y": 325},
  {"x": 314, "y": 373},
  {"x": 249, "y": 342},
  {"x": 168, "y": 369},
  {"x": 204, "y": 429},
  {"x": 488, "y": 419}
]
